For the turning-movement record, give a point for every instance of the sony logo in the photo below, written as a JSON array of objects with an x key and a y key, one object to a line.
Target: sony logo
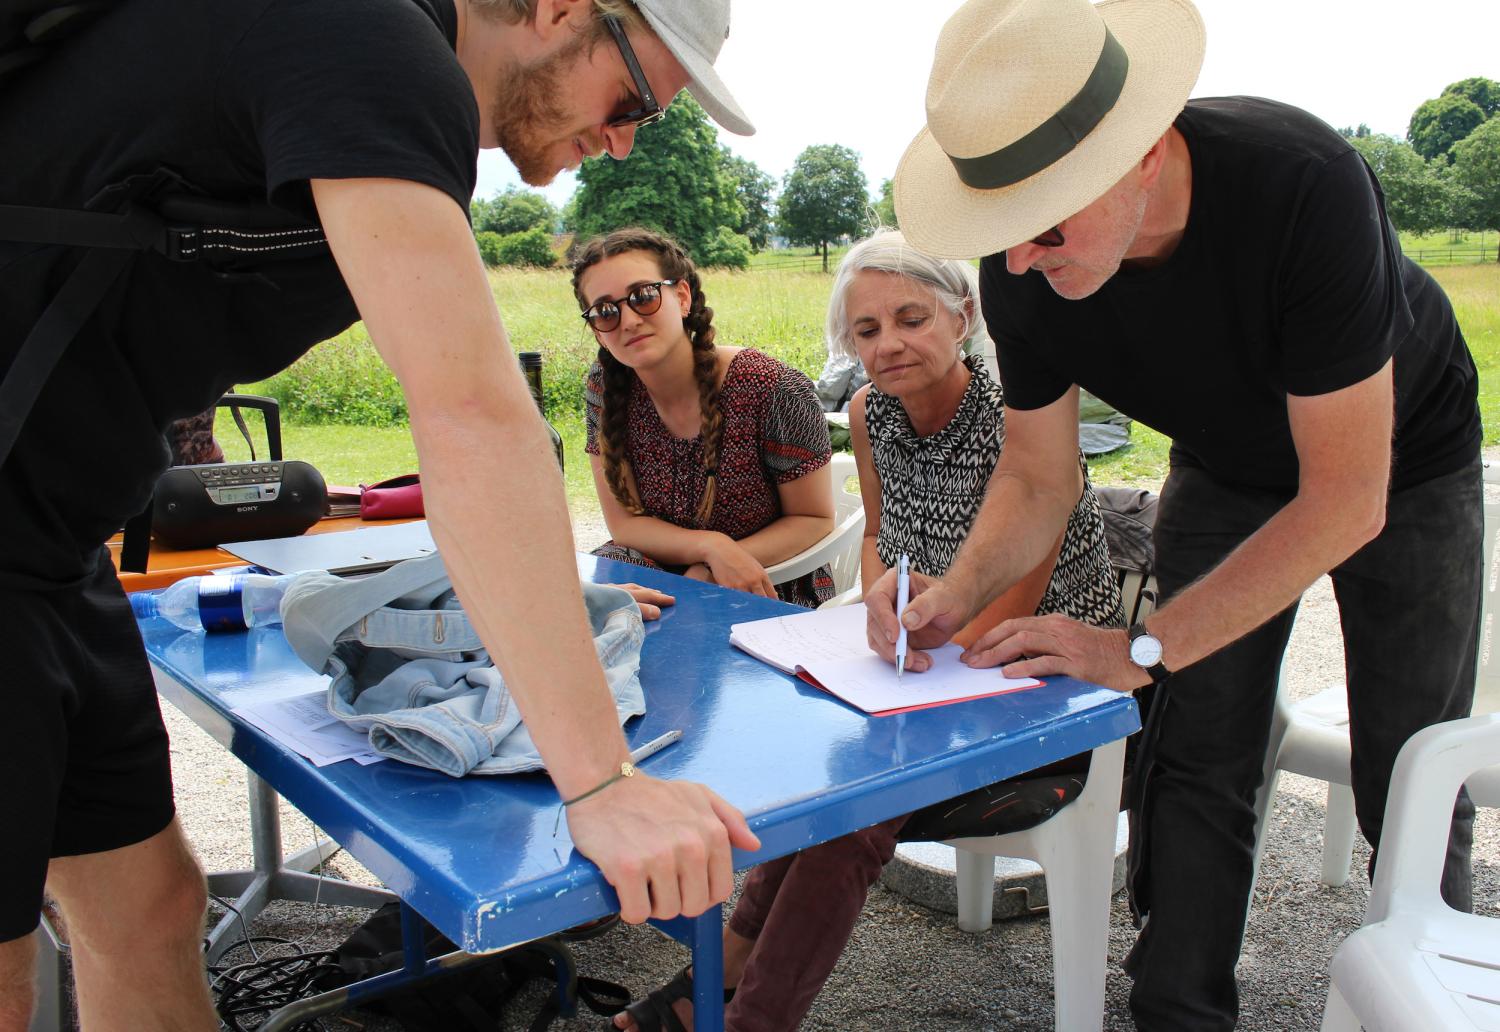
[{"x": 246, "y": 508}]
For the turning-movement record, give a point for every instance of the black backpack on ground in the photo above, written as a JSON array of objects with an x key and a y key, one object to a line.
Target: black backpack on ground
[{"x": 472, "y": 997}]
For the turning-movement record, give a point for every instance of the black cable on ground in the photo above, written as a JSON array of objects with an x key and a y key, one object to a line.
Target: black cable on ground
[{"x": 247, "y": 994}]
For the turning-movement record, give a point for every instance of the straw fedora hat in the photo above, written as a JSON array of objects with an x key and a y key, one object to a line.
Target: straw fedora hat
[{"x": 1035, "y": 108}]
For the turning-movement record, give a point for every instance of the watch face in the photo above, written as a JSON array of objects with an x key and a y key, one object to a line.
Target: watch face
[{"x": 1145, "y": 651}]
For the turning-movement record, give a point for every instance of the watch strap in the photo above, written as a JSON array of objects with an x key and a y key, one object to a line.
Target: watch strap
[{"x": 1157, "y": 671}]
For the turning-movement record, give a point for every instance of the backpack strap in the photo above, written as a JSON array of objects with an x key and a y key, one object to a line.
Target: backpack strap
[
  {"x": 135, "y": 230},
  {"x": 186, "y": 229},
  {"x": 49, "y": 338},
  {"x": 30, "y": 28}
]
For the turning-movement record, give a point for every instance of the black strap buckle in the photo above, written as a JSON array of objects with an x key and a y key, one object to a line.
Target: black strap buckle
[{"x": 181, "y": 243}]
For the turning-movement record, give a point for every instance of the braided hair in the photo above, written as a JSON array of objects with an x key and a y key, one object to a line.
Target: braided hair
[{"x": 674, "y": 263}]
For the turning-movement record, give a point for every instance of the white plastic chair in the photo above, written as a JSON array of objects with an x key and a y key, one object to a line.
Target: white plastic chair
[
  {"x": 1417, "y": 964},
  {"x": 1076, "y": 851},
  {"x": 51, "y": 1012},
  {"x": 840, "y": 547},
  {"x": 1311, "y": 737}
]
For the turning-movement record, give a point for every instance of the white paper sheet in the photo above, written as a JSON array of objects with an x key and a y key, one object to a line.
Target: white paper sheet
[
  {"x": 831, "y": 646},
  {"x": 303, "y": 724}
]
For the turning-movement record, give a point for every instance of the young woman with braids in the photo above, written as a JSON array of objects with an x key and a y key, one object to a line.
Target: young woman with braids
[{"x": 709, "y": 461}]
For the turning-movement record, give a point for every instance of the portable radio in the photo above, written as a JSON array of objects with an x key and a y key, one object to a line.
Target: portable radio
[{"x": 202, "y": 506}]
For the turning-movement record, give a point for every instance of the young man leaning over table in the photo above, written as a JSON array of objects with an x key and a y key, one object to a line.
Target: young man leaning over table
[{"x": 367, "y": 115}]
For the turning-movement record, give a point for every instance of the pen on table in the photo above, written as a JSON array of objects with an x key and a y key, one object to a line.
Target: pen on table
[
  {"x": 654, "y": 746},
  {"x": 903, "y": 595}
]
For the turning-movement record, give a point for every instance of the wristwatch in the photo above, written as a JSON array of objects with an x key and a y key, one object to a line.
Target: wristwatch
[{"x": 1145, "y": 652}]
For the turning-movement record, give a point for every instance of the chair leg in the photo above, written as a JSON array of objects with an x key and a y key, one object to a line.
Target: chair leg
[
  {"x": 1265, "y": 802},
  {"x": 51, "y": 1012},
  {"x": 1079, "y": 868},
  {"x": 1265, "y": 796},
  {"x": 975, "y": 878},
  {"x": 1338, "y": 834},
  {"x": 1337, "y": 1015}
]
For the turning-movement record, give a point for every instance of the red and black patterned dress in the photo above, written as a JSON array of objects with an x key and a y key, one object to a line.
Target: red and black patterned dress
[{"x": 774, "y": 433}]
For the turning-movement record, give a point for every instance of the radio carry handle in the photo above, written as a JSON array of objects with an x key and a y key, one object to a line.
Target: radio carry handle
[{"x": 268, "y": 406}]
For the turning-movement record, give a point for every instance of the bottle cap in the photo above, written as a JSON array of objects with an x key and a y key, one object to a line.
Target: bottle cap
[{"x": 143, "y": 605}]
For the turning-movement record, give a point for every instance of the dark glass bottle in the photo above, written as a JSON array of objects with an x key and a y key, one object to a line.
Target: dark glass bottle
[{"x": 531, "y": 368}]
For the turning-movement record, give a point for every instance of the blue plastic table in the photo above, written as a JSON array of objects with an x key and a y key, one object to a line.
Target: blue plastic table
[{"x": 477, "y": 856}]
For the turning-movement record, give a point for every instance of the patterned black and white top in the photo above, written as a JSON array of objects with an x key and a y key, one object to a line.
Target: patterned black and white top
[{"x": 931, "y": 489}]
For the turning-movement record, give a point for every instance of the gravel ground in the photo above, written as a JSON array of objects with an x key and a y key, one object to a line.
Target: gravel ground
[{"x": 907, "y": 967}]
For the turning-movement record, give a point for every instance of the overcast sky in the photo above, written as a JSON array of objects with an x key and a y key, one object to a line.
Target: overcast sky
[{"x": 854, "y": 72}]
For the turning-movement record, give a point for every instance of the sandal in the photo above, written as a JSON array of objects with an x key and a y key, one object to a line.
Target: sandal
[
  {"x": 654, "y": 1012},
  {"x": 589, "y": 929}
]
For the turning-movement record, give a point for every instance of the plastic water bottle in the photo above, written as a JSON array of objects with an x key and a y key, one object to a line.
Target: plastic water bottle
[{"x": 210, "y": 603}]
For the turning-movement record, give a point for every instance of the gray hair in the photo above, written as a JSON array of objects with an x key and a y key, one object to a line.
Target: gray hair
[{"x": 955, "y": 283}]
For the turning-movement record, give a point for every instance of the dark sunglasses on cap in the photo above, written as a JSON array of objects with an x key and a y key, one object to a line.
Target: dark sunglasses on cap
[
  {"x": 649, "y": 110},
  {"x": 644, "y": 299}
]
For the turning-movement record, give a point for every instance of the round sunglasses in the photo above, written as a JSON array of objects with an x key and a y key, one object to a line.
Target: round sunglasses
[{"x": 644, "y": 299}]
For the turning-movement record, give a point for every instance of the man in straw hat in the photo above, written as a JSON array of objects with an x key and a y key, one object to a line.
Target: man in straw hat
[
  {"x": 1221, "y": 270},
  {"x": 368, "y": 116}
]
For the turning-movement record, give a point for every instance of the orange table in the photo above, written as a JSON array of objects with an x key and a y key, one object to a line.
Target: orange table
[{"x": 165, "y": 565}]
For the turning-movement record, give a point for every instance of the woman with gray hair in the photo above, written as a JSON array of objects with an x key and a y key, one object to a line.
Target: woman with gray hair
[
  {"x": 928, "y": 429},
  {"x": 927, "y": 433}
]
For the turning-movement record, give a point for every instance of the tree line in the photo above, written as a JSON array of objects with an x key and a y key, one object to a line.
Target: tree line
[
  {"x": 724, "y": 208},
  {"x": 1446, "y": 173},
  {"x": 721, "y": 206}
]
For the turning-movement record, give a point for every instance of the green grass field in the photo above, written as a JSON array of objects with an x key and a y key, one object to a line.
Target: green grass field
[
  {"x": 1447, "y": 247},
  {"x": 780, "y": 312}
]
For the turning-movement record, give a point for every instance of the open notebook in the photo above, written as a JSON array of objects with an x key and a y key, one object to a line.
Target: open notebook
[{"x": 827, "y": 647}]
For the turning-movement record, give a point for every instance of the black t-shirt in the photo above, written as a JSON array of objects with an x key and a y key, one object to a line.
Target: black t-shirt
[
  {"x": 1288, "y": 280},
  {"x": 245, "y": 100}
]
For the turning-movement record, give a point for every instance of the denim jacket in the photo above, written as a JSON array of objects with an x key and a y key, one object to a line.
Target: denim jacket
[{"x": 408, "y": 668}]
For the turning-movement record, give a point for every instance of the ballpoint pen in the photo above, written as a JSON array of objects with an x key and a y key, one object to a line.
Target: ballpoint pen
[
  {"x": 655, "y": 746},
  {"x": 903, "y": 595}
]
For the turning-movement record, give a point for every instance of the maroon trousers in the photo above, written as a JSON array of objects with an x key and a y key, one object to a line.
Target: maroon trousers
[{"x": 800, "y": 911}]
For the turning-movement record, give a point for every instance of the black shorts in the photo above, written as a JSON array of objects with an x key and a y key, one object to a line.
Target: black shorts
[{"x": 86, "y": 767}]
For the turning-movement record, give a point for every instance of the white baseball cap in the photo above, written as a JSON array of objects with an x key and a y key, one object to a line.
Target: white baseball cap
[{"x": 694, "y": 31}]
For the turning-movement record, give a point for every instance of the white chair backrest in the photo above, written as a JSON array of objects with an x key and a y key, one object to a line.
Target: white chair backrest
[
  {"x": 849, "y": 520},
  {"x": 1138, "y": 593},
  {"x": 1431, "y": 766},
  {"x": 840, "y": 549},
  {"x": 846, "y": 498}
]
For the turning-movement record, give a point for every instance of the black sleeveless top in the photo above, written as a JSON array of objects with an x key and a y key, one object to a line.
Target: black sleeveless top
[{"x": 931, "y": 489}]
